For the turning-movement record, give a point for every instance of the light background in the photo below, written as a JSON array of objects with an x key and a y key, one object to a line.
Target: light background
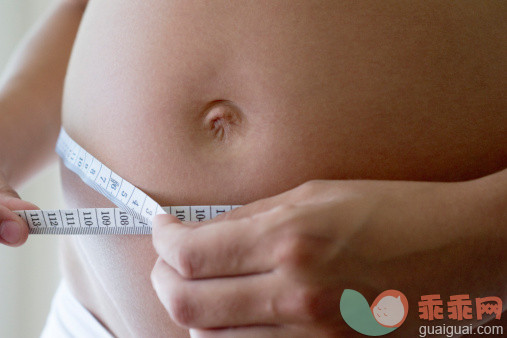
[{"x": 29, "y": 274}]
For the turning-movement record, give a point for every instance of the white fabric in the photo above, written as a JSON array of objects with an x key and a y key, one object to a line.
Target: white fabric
[{"x": 68, "y": 318}]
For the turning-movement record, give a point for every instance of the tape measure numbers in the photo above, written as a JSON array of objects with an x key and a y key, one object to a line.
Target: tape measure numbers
[
  {"x": 89, "y": 221},
  {"x": 136, "y": 209}
]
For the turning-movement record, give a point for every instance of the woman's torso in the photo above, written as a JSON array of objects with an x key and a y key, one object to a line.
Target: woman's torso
[{"x": 211, "y": 102}]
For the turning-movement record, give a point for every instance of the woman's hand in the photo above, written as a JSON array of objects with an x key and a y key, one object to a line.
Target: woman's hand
[
  {"x": 277, "y": 267},
  {"x": 13, "y": 229}
]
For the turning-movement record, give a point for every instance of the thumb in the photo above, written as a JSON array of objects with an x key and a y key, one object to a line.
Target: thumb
[
  {"x": 161, "y": 219},
  {"x": 13, "y": 229},
  {"x": 248, "y": 210}
]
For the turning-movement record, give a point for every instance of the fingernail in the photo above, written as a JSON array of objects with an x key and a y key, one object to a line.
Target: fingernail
[
  {"x": 162, "y": 219},
  {"x": 157, "y": 220},
  {"x": 10, "y": 231}
]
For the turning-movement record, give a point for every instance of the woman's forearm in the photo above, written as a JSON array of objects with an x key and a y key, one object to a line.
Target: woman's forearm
[{"x": 31, "y": 92}]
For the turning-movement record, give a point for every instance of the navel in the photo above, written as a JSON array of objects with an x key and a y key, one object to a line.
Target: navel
[{"x": 222, "y": 119}]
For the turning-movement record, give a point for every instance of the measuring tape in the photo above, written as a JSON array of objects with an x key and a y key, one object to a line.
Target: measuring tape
[{"x": 136, "y": 209}]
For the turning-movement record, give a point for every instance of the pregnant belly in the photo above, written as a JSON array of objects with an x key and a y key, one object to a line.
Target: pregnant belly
[{"x": 207, "y": 106}]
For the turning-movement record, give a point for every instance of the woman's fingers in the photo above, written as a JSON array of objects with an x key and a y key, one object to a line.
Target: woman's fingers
[
  {"x": 268, "y": 299},
  {"x": 13, "y": 229},
  {"x": 217, "y": 302},
  {"x": 214, "y": 250},
  {"x": 243, "y": 332}
]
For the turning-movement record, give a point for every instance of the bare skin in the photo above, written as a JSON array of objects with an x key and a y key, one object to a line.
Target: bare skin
[{"x": 212, "y": 102}]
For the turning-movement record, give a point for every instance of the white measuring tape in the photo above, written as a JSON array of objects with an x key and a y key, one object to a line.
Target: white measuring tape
[{"x": 136, "y": 209}]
